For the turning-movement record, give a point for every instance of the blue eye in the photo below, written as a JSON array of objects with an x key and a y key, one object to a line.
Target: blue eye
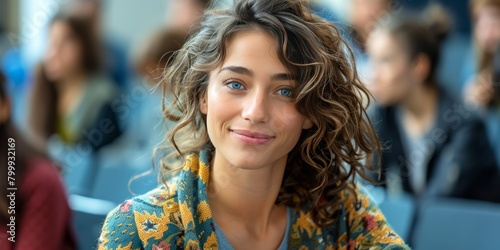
[
  {"x": 235, "y": 85},
  {"x": 285, "y": 92}
]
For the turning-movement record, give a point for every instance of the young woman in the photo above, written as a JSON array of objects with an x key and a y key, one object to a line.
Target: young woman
[
  {"x": 436, "y": 145},
  {"x": 69, "y": 95},
  {"x": 145, "y": 115},
  {"x": 42, "y": 217},
  {"x": 270, "y": 136},
  {"x": 71, "y": 114}
]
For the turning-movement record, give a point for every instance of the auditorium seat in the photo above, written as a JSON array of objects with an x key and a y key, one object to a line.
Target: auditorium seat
[
  {"x": 458, "y": 224},
  {"x": 88, "y": 216}
]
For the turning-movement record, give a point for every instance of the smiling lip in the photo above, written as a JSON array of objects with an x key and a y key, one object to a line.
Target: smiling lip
[{"x": 252, "y": 138}]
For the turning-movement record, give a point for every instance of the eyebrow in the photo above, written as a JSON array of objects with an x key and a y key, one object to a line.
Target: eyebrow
[
  {"x": 249, "y": 72},
  {"x": 238, "y": 70},
  {"x": 282, "y": 77}
]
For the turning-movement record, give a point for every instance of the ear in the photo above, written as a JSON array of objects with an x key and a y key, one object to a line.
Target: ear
[
  {"x": 203, "y": 103},
  {"x": 307, "y": 124},
  {"x": 422, "y": 67}
]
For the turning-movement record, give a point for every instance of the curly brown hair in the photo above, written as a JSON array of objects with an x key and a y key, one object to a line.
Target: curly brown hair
[{"x": 341, "y": 143}]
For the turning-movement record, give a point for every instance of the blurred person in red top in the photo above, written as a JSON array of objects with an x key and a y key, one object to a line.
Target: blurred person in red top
[{"x": 36, "y": 214}]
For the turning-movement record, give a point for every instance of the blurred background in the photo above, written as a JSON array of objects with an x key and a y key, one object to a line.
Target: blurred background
[{"x": 82, "y": 79}]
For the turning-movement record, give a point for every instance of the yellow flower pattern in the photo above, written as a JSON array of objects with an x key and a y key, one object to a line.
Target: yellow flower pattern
[
  {"x": 204, "y": 211},
  {"x": 211, "y": 242},
  {"x": 181, "y": 219},
  {"x": 149, "y": 225}
]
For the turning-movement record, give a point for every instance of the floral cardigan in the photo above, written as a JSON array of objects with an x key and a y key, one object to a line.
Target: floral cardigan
[{"x": 180, "y": 218}]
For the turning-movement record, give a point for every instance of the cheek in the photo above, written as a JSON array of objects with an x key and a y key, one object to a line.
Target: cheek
[
  {"x": 387, "y": 77},
  {"x": 481, "y": 33},
  {"x": 397, "y": 75},
  {"x": 74, "y": 58},
  {"x": 487, "y": 36},
  {"x": 219, "y": 110},
  {"x": 392, "y": 84},
  {"x": 400, "y": 82},
  {"x": 496, "y": 33},
  {"x": 71, "y": 56},
  {"x": 288, "y": 119}
]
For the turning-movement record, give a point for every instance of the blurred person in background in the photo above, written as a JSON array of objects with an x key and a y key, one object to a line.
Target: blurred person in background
[
  {"x": 147, "y": 121},
  {"x": 187, "y": 14},
  {"x": 482, "y": 87},
  {"x": 434, "y": 146},
  {"x": 42, "y": 215},
  {"x": 114, "y": 56},
  {"x": 70, "y": 98},
  {"x": 363, "y": 17},
  {"x": 155, "y": 56}
]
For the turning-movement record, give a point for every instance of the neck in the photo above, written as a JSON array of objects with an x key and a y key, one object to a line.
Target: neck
[
  {"x": 70, "y": 90},
  {"x": 247, "y": 196},
  {"x": 73, "y": 81},
  {"x": 419, "y": 109}
]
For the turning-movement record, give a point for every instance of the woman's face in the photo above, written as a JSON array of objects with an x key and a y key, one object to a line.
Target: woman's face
[
  {"x": 251, "y": 116},
  {"x": 392, "y": 78},
  {"x": 487, "y": 28},
  {"x": 64, "y": 54}
]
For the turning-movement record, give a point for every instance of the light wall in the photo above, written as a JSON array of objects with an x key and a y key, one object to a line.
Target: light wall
[
  {"x": 125, "y": 21},
  {"x": 131, "y": 21}
]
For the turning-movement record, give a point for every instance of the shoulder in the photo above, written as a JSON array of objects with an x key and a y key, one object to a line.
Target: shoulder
[
  {"x": 42, "y": 175},
  {"x": 381, "y": 117},
  {"x": 162, "y": 197},
  {"x": 366, "y": 225},
  {"x": 454, "y": 111},
  {"x": 459, "y": 118},
  {"x": 159, "y": 200},
  {"x": 42, "y": 168},
  {"x": 146, "y": 221},
  {"x": 360, "y": 225}
]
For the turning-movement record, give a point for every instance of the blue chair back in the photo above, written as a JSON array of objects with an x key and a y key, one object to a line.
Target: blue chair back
[
  {"x": 458, "y": 224},
  {"x": 88, "y": 216}
]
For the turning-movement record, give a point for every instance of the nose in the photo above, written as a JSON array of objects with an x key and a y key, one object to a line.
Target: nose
[{"x": 256, "y": 107}]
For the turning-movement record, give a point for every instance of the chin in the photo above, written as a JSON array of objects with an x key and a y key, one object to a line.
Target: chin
[
  {"x": 52, "y": 75},
  {"x": 239, "y": 158},
  {"x": 244, "y": 162},
  {"x": 248, "y": 161}
]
